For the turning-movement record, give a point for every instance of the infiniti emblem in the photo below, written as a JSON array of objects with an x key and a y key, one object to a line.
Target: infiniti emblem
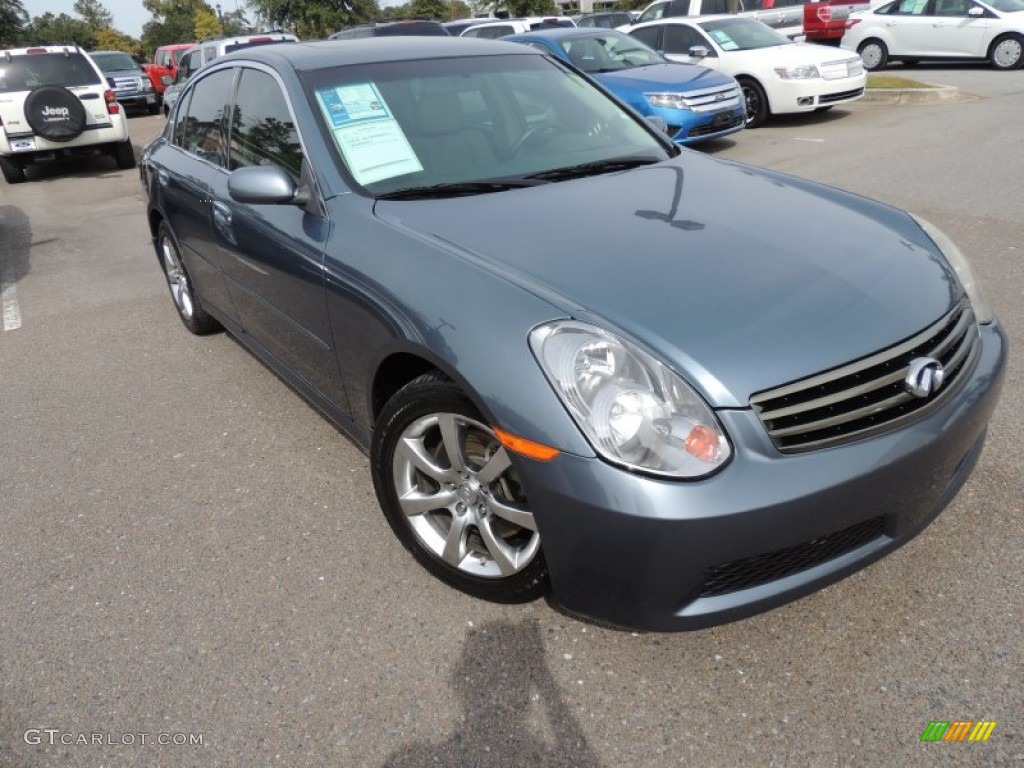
[{"x": 924, "y": 377}]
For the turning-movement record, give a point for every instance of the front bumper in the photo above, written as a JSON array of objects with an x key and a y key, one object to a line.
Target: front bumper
[
  {"x": 140, "y": 100},
  {"x": 644, "y": 553},
  {"x": 690, "y": 127},
  {"x": 807, "y": 95}
]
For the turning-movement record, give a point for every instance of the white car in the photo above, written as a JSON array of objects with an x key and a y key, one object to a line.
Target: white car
[
  {"x": 492, "y": 29},
  {"x": 914, "y": 30},
  {"x": 776, "y": 74},
  {"x": 55, "y": 102}
]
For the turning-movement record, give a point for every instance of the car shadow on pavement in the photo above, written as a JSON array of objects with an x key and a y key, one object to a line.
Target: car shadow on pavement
[
  {"x": 15, "y": 244},
  {"x": 513, "y": 711}
]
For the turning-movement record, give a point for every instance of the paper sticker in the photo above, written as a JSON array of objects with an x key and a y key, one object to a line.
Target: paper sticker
[{"x": 368, "y": 136}]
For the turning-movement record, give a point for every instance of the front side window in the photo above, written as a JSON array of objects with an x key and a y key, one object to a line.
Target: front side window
[
  {"x": 648, "y": 36},
  {"x": 201, "y": 129},
  {"x": 23, "y": 73},
  {"x": 163, "y": 59},
  {"x": 262, "y": 129},
  {"x": 911, "y": 7},
  {"x": 494, "y": 120},
  {"x": 679, "y": 39}
]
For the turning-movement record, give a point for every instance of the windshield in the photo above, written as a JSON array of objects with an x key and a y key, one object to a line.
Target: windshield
[
  {"x": 23, "y": 73},
  {"x": 609, "y": 52},
  {"x": 179, "y": 53},
  {"x": 114, "y": 62},
  {"x": 496, "y": 119},
  {"x": 743, "y": 34}
]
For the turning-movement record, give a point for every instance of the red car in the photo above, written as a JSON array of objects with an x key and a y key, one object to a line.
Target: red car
[
  {"x": 825, "y": 20},
  {"x": 165, "y": 62}
]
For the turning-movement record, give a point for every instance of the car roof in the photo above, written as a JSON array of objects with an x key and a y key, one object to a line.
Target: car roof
[
  {"x": 565, "y": 33},
  {"x": 374, "y": 50},
  {"x": 36, "y": 48}
]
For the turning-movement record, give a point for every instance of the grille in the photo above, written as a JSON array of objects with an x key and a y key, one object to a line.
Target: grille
[
  {"x": 127, "y": 84},
  {"x": 762, "y": 569},
  {"x": 843, "y": 96},
  {"x": 704, "y": 130},
  {"x": 712, "y": 99},
  {"x": 836, "y": 70},
  {"x": 869, "y": 396}
]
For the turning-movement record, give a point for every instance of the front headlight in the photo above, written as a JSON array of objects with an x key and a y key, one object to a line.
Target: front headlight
[
  {"x": 962, "y": 267},
  {"x": 667, "y": 100},
  {"x": 797, "y": 73},
  {"x": 634, "y": 410}
]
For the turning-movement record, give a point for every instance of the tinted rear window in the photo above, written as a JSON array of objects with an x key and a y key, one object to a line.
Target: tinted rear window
[{"x": 23, "y": 73}]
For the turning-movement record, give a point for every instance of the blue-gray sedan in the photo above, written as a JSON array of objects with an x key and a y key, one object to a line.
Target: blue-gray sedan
[{"x": 672, "y": 390}]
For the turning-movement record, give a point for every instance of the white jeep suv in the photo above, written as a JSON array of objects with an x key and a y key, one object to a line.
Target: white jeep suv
[{"x": 55, "y": 102}]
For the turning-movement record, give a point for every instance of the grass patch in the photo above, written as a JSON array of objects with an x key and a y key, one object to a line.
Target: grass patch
[{"x": 893, "y": 82}]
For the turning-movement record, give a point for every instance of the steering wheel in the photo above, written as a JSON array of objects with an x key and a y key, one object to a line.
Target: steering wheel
[{"x": 530, "y": 133}]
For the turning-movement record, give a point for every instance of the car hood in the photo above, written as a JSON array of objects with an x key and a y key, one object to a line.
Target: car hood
[
  {"x": 792, "y": 55},
  {"x": 675, "y": 77},
  {"x": 740, "y": 278}
]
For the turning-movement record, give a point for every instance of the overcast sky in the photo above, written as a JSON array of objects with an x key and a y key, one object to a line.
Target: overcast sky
[{"x": 129, "y": 15}]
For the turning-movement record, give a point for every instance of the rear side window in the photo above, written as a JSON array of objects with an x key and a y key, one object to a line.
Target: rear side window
[
  {"x": 23, "y": 73},
  {"x": 491, "y": 31},
  {"x": 202, "y": 127},
  {"x": 263, "y": 131}
]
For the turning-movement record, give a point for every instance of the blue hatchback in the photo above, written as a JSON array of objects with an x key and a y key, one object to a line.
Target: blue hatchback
[{"x": 696, "y": 102}]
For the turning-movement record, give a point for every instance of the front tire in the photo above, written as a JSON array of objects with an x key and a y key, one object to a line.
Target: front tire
[
  {"x": 13, "y": 174},
  {"x": 1007, "y": 52},
  {"x": 757, "y": 102},
  {"x": 183, "y": 294},
  {"x": 450, "y": 493},
  {"x": 873, "y": 54}
]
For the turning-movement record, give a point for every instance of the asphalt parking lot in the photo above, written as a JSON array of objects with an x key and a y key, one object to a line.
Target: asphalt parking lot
[{"x": 194, "y": 570}]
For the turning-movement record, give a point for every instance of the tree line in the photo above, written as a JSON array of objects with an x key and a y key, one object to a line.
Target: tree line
[{"x": 181, "y": 21}]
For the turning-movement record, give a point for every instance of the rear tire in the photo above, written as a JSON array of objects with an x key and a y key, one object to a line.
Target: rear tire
[
  {"x": 124, "y": 155},
  {"x": 154, "y": 109},
  {"x": 1007, "y": 52},
  {"x": 13, "y": 174},
  {"x": 183, "y": 294},
  {"x": 873, "y": 54}
]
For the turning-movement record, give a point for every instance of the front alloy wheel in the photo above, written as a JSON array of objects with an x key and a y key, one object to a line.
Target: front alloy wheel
[{"x": 452, "y": 496}]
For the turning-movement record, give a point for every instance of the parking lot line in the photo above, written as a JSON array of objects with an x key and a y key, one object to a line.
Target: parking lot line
[{"x": 9, "y": 300}]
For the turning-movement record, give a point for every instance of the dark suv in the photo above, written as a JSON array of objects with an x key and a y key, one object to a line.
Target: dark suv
[
  {"x": 410, "y": 27},
  {"x": 129, "y": 80}
]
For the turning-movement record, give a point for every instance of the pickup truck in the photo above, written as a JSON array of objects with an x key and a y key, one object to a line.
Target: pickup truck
[
  {"x": 165, "y": 62},
  {"x": 825, "y": 20}
]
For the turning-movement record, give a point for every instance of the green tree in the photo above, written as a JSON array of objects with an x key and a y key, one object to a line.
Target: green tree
[
  {"x": 110, "y": 39},
  {"x": 235, "y": 23},
  {"x": 523, "y": 7},
  {"x": 53, "y": 30},
  {"x": 439, "y": 10},
  {"x": 207, "y": 23},
  {"x": 460, "y": 10},
  {"x": 94, "y": 14},
  {"x": 13, "y": 23},
  {"x": 312, "y": 19},
  {"x": 173, "y": 22}
]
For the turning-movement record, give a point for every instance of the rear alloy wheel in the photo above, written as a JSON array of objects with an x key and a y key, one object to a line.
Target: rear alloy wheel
[
  {"x": 873, "y": 54},
  {"x": 1007, "y": 52},
  {"x": 450, "y": 493},
  {"x": 124, "y": 155},
  {"x": 190, "y": 310},
  {"x": 757, "y": 102},
  {"x": 13, "y": 174}
]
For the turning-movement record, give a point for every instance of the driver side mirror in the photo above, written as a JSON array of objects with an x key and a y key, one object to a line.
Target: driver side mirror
[
  {"x": 698, "y": 52},
  {"x": 265, "y": 185},
  {"x": 976, "y": 12},
  {"x": 167, "y": 80}
]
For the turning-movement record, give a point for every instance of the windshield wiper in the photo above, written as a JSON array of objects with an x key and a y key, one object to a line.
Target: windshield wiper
[
  {"x": 456, "y": 189},
  {"x": 592, "y": 169}
]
